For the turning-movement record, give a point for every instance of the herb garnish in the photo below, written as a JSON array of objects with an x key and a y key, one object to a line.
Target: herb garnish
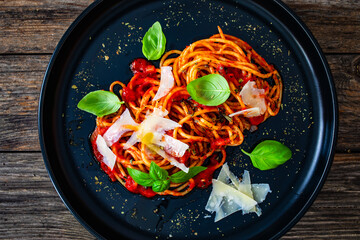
[
  {"x": 209, "y": 90},
  {"x": 154, "y": 42},
  {"x": 159, "y": 179},
  {"x": 100, "y": 103},
  {"x": 269, "y": 154}
]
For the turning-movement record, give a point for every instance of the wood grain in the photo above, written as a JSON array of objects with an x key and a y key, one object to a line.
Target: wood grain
[
  {"x": 335, "y": 24},
  {"x": 29, "y": 205},
  {"x": 37, "y": 26},
  {"x": 20, "y": 83}
]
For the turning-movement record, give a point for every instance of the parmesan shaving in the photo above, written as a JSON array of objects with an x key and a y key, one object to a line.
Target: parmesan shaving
[
  {"x": 167, "y": 82},
  {"x": 152, "y": 133},
  {"x": 253, "y": 97},
  {"x": 230, "y": 195},
  {"x": 114, "y": 133},
  {"x": 109, "y": 158},
  {"x": 250, "y": 112}
]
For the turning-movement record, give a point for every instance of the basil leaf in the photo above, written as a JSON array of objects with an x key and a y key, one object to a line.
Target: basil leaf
[
  {"x": 182, "y": 176},
  {"x": 140, "y": 177},
  {"x": 209, "y": 90},
  {"x": 100, "y": 103},
  {"x": 157, "y": 173},
  {"x": 269, "y": 154},
  {"x": 160, "y": 185},
  {"x": 154, "y": 42}
]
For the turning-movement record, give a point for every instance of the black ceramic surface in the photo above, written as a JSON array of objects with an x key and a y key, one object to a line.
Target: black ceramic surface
[{"x": 97, "y": 49}]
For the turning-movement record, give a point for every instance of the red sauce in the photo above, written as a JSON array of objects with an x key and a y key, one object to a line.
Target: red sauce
[
  {"x": 179, "y": 96},
  {"x": 235, "y": 75},
  {"x": 204, "y": 179},
  {"x": 256, "y": 120},
  {"x": 220, "y": 142},
  {"x": 141, "y": 65},
  {"x": 128, "y": 95},
  {"x": 142, "y": 85},
  {"x": 99, "y": 157},
  {"x": 144, "y": 74},
  {"x": 133, "y": 187},
  {"x": 185, "y": 158}
]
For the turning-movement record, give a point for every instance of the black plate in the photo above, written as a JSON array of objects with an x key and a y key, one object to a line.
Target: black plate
[{"x": 96, "y": 51}]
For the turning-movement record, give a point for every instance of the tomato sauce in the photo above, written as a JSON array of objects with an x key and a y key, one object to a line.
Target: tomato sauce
[
  {"x": 180, "y": 96},
  {"x": 144, "y": 73},
  {"x": 99, "y": 157},
  {"x": 185, "y": 158},
  {"x": 256, "y": 120},
  {"x": 141, "y": 65},
  {"x": 204, "y": 178},
  {"x": 220, "y": 142},
  {"x": 133, "y": 187},
  {"x": 235, "y": 75},
  {"x": 128, "y": 95}
]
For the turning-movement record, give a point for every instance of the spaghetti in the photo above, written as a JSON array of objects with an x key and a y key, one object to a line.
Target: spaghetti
[{"x": 207, "y": 130}]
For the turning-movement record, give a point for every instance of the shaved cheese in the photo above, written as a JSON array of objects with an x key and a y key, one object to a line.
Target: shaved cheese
[
  {"x": 245, "y": 187},
  {"x": 109, "y": 158},
  {"x": 152, "y": 133},
  {"x": 260, "y": 191},
  {"x": 250, "y": 112},
  {"x": 225, "y": 175},
  {"x": 150, "y": 154},
  {"x": 167, "y": 82},
  {"x": 114, "y": 133},
  {"x": 227, "y": 208},
  {"x": 173, "y": 146},
  {"x": 253, "y": 97},
  {"x": 172, "y": 160},
  {"x": 230, "y": 195},
  {"x": 158, "y": 124},
  {"x": 131, "y": 141},
  {"x": 159, "y": 112}
]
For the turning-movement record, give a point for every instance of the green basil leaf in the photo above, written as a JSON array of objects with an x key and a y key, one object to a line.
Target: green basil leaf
[
  {"x": 154, "y": 42},
  {"x": 269, "y": 154},
  {"x": 209, "y": 90},
  {"x": 157, "y": 173},
  {"x": 182, "y": 176},
  {"x": 140, "y": 177},
  {"x": 100, "y": 103},
  {"x": 160, "y": 185}
]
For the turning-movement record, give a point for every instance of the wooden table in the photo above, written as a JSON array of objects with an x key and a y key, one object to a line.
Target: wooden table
[{"x": 29, "y": 205}]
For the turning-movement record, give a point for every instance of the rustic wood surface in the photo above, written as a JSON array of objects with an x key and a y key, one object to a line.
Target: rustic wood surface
[{"x": 29, "y": 205}]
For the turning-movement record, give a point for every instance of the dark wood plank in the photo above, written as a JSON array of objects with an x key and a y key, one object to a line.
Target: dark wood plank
[
  {"x": 335, "y": 213},
  {"x": 335, "y": 24},
  {"x": 29, "y": 205},
  {"x": 31, "y": 208},
  {"x": 20, "y": 84},
  {"x": 347, "y": 83},
  {"x": 21, "y": 78},
  {"x": 37, "y": 26}
]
